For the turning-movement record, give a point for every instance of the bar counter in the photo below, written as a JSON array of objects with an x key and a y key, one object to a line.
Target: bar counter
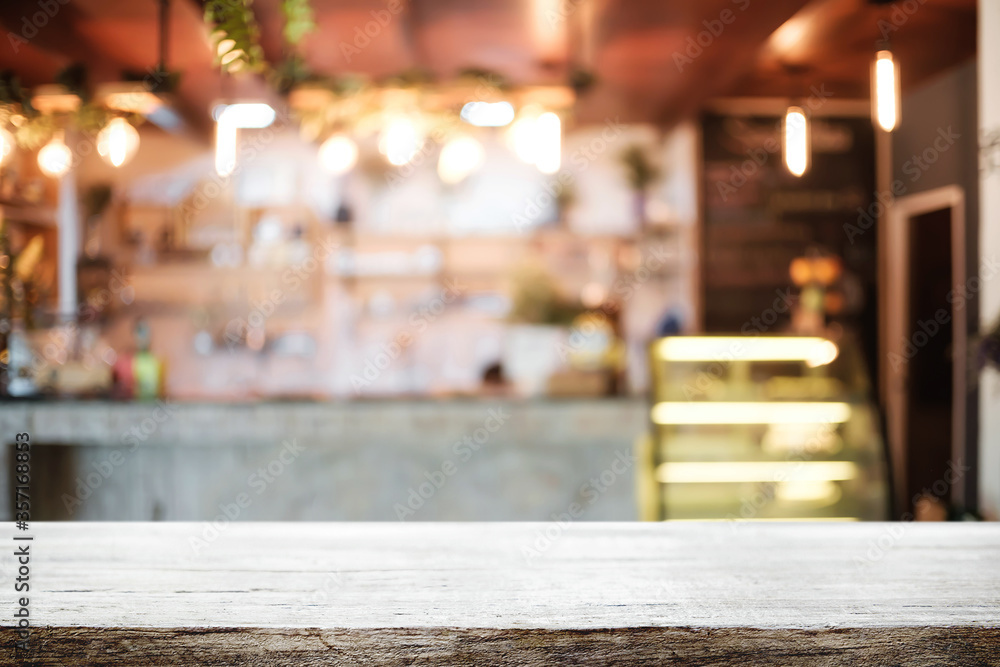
[
  {"x": 503, "y": 593},
  {"x": 485, "y": 458}
]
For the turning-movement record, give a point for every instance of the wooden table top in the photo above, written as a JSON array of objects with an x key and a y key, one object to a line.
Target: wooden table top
[{"x": 503, "y": 593}]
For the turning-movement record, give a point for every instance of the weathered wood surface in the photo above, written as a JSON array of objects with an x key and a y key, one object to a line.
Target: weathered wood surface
[{"x": 462, "y": 593}]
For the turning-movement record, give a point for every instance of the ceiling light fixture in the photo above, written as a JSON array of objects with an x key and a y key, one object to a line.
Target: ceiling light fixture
[
  {"x": 55, "y": 157},
  {"x": 795, "y": 140},
  {"x": 885, "y": 91},
  {"x": 488, "y": 114},
  {"x": 117, "y": 142},
  {"x": 232, "y": 117},
  {"x": 338, "y": 154},
  {"x": 400, "y": 141}
]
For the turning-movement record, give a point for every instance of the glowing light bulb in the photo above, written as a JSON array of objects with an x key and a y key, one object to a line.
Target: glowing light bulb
[
  {"x": 885, "y": 91},
  {"x": 55, "y": 157},
  {"x": 522, "y": 137},
  {"x": 338, "y": 154},
  {"x": 225, "y": 148},
  {"x": 400, "y": 141},
  {"x": 6, "y": 147},
  {"x": 117, "y": 142},
  {"x": 459, "y": 158},
  {"x": 796, "y": 141},
  {"x": 549, "y": 136}
]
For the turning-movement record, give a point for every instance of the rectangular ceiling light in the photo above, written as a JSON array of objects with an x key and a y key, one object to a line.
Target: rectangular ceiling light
[
  {"x": 719, "y": 412},
  {"x": 245, "y": 115},
  {"x": 729, "y": 472}
]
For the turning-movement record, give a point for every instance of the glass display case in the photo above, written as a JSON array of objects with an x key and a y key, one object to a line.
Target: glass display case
[{"x": 762, "y": 428}]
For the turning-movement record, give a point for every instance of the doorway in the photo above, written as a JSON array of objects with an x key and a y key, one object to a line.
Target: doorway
[{"x": 925, "y": 346}]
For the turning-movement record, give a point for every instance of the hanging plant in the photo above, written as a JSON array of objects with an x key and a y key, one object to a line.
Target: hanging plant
[
  {"x": 33, "y": 131},
  {"x": 235, "y": 35},
  {"x": 299, "y": 20}
]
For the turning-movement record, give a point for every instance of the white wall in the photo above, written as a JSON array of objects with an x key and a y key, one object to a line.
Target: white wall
[{"x": 989, "y": 244}]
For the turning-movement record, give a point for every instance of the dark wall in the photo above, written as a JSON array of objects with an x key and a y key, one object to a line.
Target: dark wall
[
  {"x": 947, "y": 105},
  {"x": 758, "y": 217}
]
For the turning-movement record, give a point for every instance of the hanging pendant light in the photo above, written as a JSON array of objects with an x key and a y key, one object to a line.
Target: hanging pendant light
[
  {"x": 117, "y": 142},
  {"x": 885, "y": 90},
  {"x": 796, "y": 140},
  {"x": 55, "y": 157},
  {"x": 338, "y": 154}
]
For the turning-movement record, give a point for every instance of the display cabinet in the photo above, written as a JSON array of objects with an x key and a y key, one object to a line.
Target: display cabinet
[{"x": 762, "y": 428}]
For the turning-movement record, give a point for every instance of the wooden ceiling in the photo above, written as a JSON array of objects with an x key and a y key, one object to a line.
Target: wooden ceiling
[{"x": 636, "y": 49}]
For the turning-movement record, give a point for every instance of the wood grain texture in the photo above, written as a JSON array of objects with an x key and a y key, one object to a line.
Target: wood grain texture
[{"x": 388, "y": 594}]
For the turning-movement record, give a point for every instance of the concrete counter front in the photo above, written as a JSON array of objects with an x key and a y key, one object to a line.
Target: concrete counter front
[
  {"x": 371, "y": 460},
  {"x": 519, "y": 594}
]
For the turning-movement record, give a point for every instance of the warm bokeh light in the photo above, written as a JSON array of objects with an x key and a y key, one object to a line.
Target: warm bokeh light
[
  {"x": 796, "y": 141},
  {"x": 885, "y": 91},
  {"x": 488, "y": 114},
  {"x": 117, "y": 142},
  {"x": 750, "y": 413},
  {"x": 400, "y": 141},
  {"x": 549, "y": 137},
  {"x": 814, "y": 350},
  {"x": 727, "y": 472},
  {"x": 459, "y": 158},
  {"x": 6, "y": 147},
  {"x": 338, "y": 154},
  {"x": 55, "y": 157},
  {"x": 522, "y": 138}
]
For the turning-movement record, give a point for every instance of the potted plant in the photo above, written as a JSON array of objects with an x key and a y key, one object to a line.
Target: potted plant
[
  {"x": 641, "y": 173},
  {"x": 540, "y": 317}
]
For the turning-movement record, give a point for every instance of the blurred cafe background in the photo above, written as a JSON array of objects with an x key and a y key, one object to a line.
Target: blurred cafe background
[{"x": 501, "y": 260}]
